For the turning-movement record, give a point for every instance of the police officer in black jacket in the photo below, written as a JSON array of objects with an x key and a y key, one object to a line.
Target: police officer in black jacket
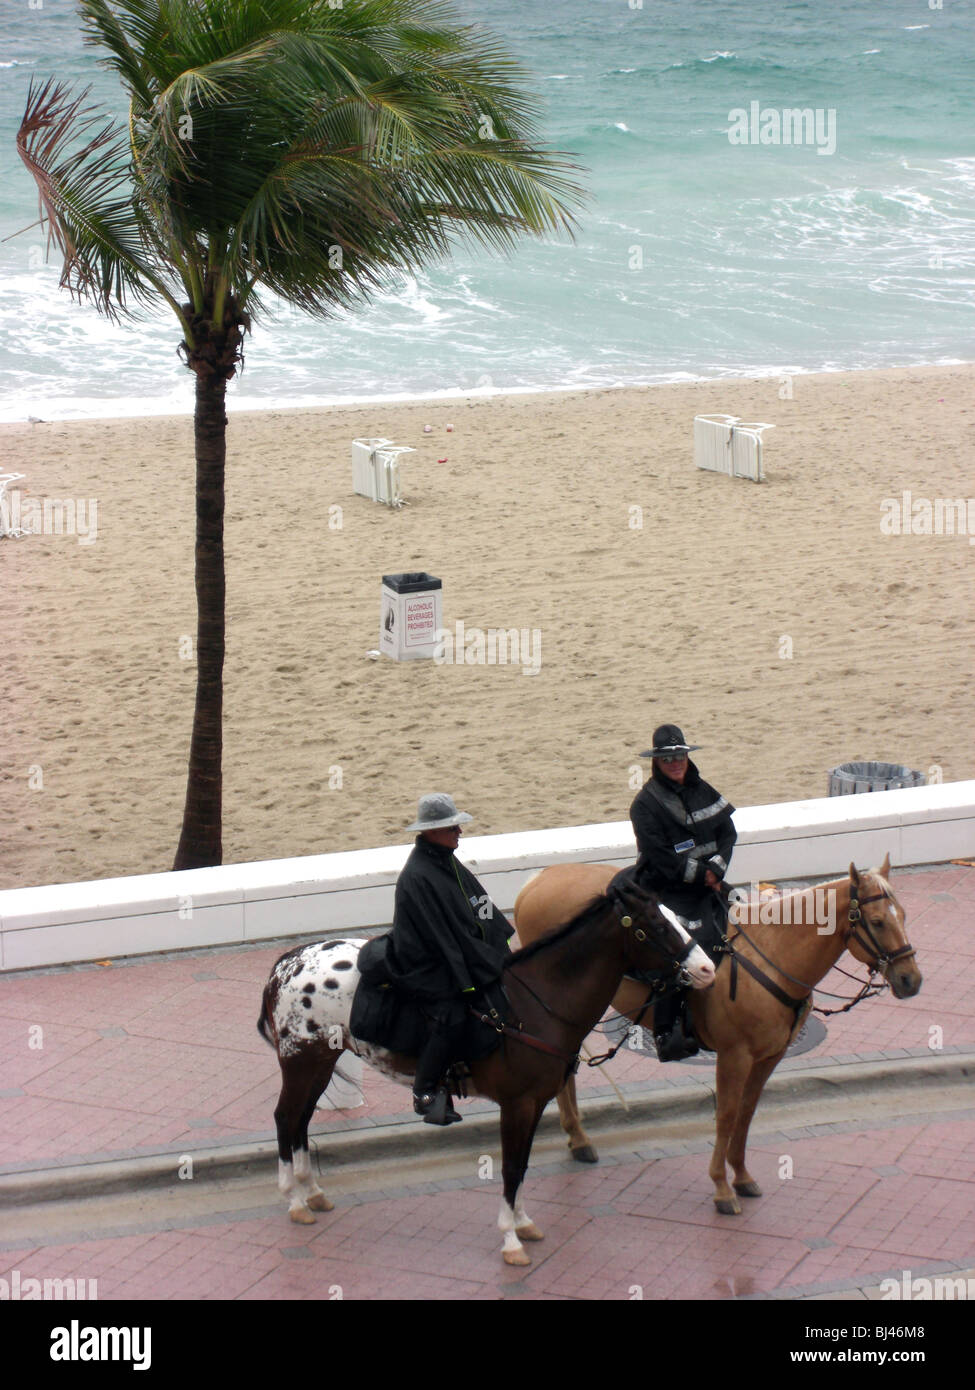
[
  {"x": 449, "y": 941},
  {"x": 685, "y": 835}
]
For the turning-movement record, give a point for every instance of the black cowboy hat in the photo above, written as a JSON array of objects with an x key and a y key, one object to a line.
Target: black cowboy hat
[{"x": 667, "y": 740}]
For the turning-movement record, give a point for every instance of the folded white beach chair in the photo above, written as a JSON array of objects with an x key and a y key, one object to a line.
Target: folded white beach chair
[
  {"x": 723, "y": 444},
  {"x": 6, "y": 524},
  {"x": 375, "y": 470}
]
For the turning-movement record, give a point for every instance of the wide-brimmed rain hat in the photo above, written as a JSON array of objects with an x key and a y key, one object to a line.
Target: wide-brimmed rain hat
[
  {"x": 668, "y": 739},
  {"x": 436, "y": 812}
]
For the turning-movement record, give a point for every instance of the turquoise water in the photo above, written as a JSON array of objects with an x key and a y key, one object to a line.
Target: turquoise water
[{"x": 697, "y": 257}]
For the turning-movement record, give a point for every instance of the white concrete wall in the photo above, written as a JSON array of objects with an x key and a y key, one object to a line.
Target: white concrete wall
[{"x": 328, "y": 894}]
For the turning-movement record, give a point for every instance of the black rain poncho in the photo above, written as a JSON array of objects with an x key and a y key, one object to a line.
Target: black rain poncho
[
  {"x": 447, "y": 934},
  {"x": 681, "y": 832}
]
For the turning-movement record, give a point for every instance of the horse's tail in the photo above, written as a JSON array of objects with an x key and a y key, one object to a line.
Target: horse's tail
[{"x": 264, "y": 1021}]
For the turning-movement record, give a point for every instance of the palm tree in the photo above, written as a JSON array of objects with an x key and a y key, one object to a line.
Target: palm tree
[{"x": 307, "y": 150}]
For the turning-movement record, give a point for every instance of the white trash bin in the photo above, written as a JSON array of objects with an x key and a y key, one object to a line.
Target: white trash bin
[{"x": 412, "y": 615}]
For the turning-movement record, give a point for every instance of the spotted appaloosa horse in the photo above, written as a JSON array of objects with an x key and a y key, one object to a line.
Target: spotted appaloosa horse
[
  {"x": 557, "y": 989},
  {"x": 741, "y": 1019}
]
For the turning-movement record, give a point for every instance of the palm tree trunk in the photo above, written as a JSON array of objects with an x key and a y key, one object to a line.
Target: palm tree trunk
[{"x": 200, "y": 843}]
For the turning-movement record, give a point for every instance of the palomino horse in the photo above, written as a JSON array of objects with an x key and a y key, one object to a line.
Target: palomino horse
[
  {"x": 557, "y": 989},
  {"x": 792, "y": 942}
]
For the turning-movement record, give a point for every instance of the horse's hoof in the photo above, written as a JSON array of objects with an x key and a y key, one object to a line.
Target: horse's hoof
[
  {"x": 301, "y": 1216},
  {"x": 747, "y": 1189},
  {"x": 726, "y": 1206},
  {"x": 319, "y": 1202},
  {"x": 516, "y": 1257},
  {"x": 585, "y": 1154},
  {"x": 529, "y": 1232}
]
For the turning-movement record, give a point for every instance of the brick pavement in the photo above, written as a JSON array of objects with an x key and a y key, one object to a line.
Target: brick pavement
[
  {"x": 162, "y": 1056},
  {"x": 630, "y": 1227}
]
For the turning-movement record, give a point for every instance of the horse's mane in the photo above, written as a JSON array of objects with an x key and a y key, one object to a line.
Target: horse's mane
[{"x": 556, "y": 937}]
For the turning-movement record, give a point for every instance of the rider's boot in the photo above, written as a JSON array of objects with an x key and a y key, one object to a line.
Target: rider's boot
[
  {"x": 436, "y": 1108},
  {"x": 672, "y": 1036}
]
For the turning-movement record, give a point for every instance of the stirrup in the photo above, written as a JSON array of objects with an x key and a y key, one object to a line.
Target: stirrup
[{"x": 436, "y": 1109}]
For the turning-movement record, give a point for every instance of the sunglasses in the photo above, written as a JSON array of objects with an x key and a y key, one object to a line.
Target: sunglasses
[{"x": 676, "y": 758}]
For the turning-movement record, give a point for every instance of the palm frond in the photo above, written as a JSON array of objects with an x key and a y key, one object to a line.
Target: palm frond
[
  {"x": 124, "y": 45},
  {"x": 85, "y": 198}
]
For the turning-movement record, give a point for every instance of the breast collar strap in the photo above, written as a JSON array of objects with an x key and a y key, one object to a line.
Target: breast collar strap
[{"x": 777, "y": 992}]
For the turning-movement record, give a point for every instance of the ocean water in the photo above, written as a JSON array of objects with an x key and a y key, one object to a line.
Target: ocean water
[{"x": 697, "y": 256}]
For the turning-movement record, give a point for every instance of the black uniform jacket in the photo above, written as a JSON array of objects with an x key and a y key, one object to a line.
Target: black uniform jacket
[
  {"x": 681, "y": 832},
  {"x": 447, "y": 934}
]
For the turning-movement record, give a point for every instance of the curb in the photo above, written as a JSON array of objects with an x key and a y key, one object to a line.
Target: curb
[{"x": 401, "y": 1138}]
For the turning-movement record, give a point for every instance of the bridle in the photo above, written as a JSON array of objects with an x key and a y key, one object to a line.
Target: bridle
[
  {"x": 659, "y": 987},
  {"x": 626, "y": 921},
  {"x": 882, "y": 959}
]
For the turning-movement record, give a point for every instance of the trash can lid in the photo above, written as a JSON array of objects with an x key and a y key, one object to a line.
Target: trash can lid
[{"x": 411, "y": 582}]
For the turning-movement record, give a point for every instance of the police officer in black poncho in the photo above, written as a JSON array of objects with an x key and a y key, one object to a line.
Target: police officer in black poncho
[
  {"x": 449, "y": 942},
  {"x": 685, "y": 835}
]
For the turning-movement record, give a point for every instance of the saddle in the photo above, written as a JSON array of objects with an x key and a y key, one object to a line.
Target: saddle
[{"x": 388, "y": 1017}]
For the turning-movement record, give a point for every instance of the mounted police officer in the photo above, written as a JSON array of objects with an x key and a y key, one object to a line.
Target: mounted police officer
[
  {"x": 685, "y": 836},
  {"x": 449, "y": 941}
]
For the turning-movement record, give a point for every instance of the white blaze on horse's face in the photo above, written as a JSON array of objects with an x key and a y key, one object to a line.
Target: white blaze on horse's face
[
  {"x": 892, "y": 908},
  {"x": 697, "y": 963}
]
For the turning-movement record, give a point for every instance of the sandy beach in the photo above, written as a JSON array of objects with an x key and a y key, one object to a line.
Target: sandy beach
[{"x": 778, "y": 624}]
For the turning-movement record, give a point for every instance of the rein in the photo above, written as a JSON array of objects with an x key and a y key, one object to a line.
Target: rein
[
  {"x": 659, "y": 988},
  {"x": 494, "y": 1020}
]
